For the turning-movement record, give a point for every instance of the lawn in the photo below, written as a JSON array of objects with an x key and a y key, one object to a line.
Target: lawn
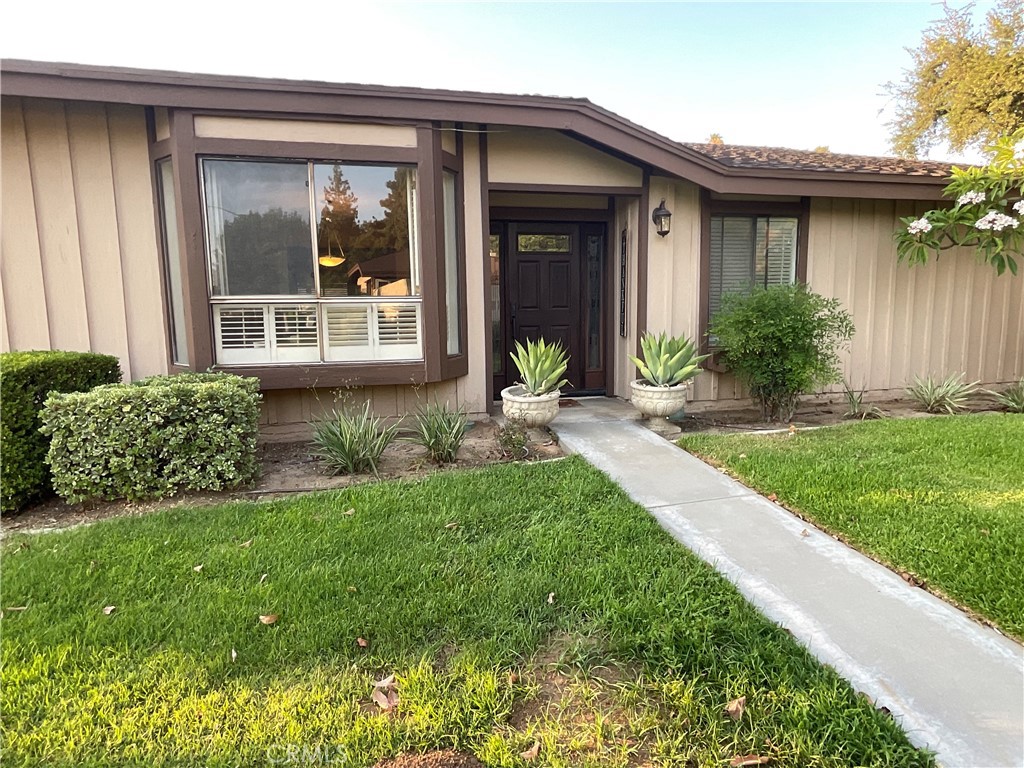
[
  {"x": 940, "y": 499},
  {"x": 518, "y": 605}
]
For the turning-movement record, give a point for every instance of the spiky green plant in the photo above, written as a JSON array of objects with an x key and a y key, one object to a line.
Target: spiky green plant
[
  {"x": 855, "y": 407},
  {"x": 668, "y": 360},
  {"x": 541, "y": 366},
  {"x": 349, "y": 443},
  {"x": 1012, "y": 398},
  {"x": 440, "y": 430},
  {"x": 949, "y": 395}
]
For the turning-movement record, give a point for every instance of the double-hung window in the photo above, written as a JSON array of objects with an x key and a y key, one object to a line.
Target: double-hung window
[
  {"x": 748, "y": 251},
  {"x": 312, "y": 262}
]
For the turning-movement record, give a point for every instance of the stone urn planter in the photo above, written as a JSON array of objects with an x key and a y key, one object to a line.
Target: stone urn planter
[
  {"x": 658, "y": 402},
  {"x": 533, "y": 410}
]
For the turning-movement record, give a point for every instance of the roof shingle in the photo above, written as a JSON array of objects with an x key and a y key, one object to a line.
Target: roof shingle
[{"x": 780, "y": 158}]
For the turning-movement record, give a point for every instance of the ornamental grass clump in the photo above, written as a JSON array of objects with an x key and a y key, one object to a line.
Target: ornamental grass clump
[
  {"x": 668, "y": 360},
  {"x": 950, "y": 395},
  {"x": 781, "y": 342},
  {"x": 352, "y": 442},
  {"x": 1012, "y": 398},
  {"x": 440, "y": 430},
  {"x": 541, "y": 366}
]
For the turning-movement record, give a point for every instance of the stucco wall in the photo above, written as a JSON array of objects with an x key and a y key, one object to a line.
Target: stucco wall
[
  {"x": 523, "y": 156},
  {"x": 79, "y": 263},
  {"x": 315, "y": 131}
]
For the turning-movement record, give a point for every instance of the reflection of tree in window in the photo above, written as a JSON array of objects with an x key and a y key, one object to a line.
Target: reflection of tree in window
[
  {"x": 374, "y": 253},
  {"x": 276, "y": 248}
]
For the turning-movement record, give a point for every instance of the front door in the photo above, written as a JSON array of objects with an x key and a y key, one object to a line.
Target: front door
[{"x": 552, "y": 286}]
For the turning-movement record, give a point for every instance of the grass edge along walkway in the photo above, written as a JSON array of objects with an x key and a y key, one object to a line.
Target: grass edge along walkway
[{"x": 461, "y": 583}]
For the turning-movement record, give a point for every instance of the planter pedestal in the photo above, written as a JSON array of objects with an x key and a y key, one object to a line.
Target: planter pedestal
[{"x": 533, "y": 410}]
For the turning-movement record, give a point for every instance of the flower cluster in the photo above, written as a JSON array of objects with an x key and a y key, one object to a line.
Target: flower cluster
[
  {"x": 996, "y": 221},
  {"x": 1018, "y": 207},
  {"x": 970, "y": 198},
  {"x": 919, "y": 226}
]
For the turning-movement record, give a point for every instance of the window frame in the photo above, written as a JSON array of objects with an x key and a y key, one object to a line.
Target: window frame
[
  {"x": 709, "y": 206},
  {"x": 428, "y": 157}
]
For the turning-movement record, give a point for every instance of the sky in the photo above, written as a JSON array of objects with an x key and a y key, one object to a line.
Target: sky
[{"x": 797, "y": 74}]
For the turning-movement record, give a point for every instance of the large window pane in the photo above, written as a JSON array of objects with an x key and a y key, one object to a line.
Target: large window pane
[
  {"x": 365, "y": 226},
  {"x": 172, "y": 261},
  {"x": 258, "y": 233},
  {"x": 451, "y": 264}
]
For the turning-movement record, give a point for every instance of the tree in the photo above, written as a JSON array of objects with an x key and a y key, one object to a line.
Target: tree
[
  {"x": 715, "y": 138},
  {"x": 988, "y": 212},
  {"x": 966, "y": 86}
]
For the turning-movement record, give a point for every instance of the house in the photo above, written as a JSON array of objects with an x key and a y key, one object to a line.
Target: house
[{"x": 396, "y": 241}]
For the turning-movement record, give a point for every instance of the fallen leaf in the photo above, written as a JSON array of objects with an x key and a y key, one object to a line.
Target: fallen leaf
[
  {"x": 551, "y": 598},
  {"x": 911, "y": 579},
  {"x": 198, "y": 568},
  {"x": 263, "y": 578},
  {"x": 246, "y": 544},
  {"x": 92, "y": 565},
  {"x": 772, "y": 497},
  {"x": 387, "y": 682},
  {"x": 381, "y": 699},
  {"x": 269, "y": 619},
  {"x": 393, "y": 699},
  {"x": 741, "y": 760},
  {"x": 743, "y": 456},
  {"x": 792, "y": 429},
  {"x": 361, "y": 642},
  {"x": 532, "y": 752},
  {"x": 451, "y": 526},
  {"x": 513, "y": 678},
  {"x": 352, "y": 589},
  {"x": 985, "y": 532},
  {"x": 805, "y": 533},
  {"x": 234, "y": 655},
  {"x": 109, "y": 610},
  {"x": 734, "y": 708},
  {"x": 350, "y": 511}
]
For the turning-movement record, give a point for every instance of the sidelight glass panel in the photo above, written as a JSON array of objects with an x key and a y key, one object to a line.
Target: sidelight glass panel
[
  {"x": 595, "y": 291},
  {"x": 451, "y": 264},
  {"x": 172, "y": 262},
  {"x": 257, "y": 225},
  {"x": 497, "y": 352},
  {"x": 366, "y": 230}
]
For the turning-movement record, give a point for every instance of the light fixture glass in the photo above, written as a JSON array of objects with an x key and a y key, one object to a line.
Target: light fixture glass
[{"x": 662, "y": 218}]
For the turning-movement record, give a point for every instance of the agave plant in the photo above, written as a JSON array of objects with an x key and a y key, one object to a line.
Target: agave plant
[
  {"x": 1012, "y": 399},
  {"x": 668, "y": 360},
  {"x": 541, "y": 366},
  {"x": 950, "y": 395}
]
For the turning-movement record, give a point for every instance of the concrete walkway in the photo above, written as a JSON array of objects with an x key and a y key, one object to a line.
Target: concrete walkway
[{"x": 955, "y": 686}]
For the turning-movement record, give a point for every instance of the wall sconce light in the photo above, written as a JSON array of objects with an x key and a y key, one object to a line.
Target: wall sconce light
[{"x": 662, "y": 218}]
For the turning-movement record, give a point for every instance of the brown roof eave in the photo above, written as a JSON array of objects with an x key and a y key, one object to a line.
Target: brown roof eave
[{"x": 579, "y": 116}]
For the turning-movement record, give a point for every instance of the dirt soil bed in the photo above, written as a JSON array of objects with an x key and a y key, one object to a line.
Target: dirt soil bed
[
  {"x": 445, "y": 759},
  {"x": 287, "y": 467}
]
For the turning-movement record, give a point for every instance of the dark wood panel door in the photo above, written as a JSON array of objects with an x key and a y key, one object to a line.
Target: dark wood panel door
[{"x": 544, "y": 295}]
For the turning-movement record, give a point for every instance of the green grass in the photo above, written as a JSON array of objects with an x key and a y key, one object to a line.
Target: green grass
[
  {"x": 941, "y": 498},
  {"x": 631, "y": 664}
]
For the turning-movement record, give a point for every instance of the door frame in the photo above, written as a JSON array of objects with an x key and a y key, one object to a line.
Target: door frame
[{"x": 597, "y": 381}]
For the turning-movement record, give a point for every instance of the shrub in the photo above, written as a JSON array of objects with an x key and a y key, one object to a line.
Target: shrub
[
  {"x": 513, "y": 439},
  {"x": 1012, "y": 399},
  {"x": 950, "y": 395},
  {"x": 350, "y": 443},
  {"x": 155, "y": 437},
  {"x": 440, "y": 430},
  {"x": 26, "y": 378},
  {"x": 781, "y": 342}
]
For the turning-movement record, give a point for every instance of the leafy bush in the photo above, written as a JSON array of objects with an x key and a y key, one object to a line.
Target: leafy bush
[
  {"x": 26, "y": 378},
  {"x": 950, "y": 395},
  {"x": 667, "y": 360},
  {"x": 781, "y": 342},
  {"x": 440, "y": 430},
  {"x": 1012, "y": 399},
  {"x": 513, "y": 439},
  {"x": 541, "y": 365},
  {"x": 154, "y": 438},
  {"x": 350, "y": 443}
]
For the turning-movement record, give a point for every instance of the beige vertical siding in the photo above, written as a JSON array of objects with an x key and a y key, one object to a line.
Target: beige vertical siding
[
  {"x": 473, "y": 387},
  {"x": 627, "y": 217},
  {"x": 533, "y": 156},
  {"x": 80, "y": 262},
  {"x": 952, "y": 315}
]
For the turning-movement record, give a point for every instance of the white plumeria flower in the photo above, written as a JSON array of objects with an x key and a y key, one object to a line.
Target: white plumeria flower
[
  {"x": 996, "y": 221},
  {"x": 1018, "y": 207},
  {"x": 919, "y": 226},
  {"x": 970, "y": 198}
]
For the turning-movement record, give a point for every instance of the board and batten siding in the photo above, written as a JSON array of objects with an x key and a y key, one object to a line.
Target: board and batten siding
[{"x": 79, "y": 259}]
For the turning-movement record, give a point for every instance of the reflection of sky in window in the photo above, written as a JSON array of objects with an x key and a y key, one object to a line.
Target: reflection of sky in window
[
  {"x": 248, "y": 187},
  {"x": 368, "y": 183}
]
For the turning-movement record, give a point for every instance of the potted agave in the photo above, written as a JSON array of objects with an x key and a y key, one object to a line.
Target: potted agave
[
  {"x": 535, "y": 400},
  {"x": 668, "y": 365}
]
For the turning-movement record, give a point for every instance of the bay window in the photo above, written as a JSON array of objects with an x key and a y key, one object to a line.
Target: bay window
[{"x": 312, "y": 262}]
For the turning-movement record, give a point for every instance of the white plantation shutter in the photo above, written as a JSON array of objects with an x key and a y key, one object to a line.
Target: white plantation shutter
[
  {"x": 398, "y": 331},
  {"x": 266, "y": 333},
  {"x": 372, "y": 331},
  {"x": 241, "y": 334},
  {"x": 296, "y": 338},
  {"x": 780, "y": 251},
  {"x": 348, "y": 331}
]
